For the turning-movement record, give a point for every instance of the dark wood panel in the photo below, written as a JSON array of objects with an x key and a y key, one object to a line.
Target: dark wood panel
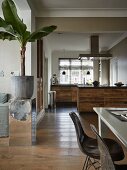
[
  {"x": 88, "y": 106},
  {"x": 101, "y": 97},
  {"x": 91, "y": 92},
  {"x": 39, "y": 75},
  {"x": 74, "y": 94},
  {"x": 65, "y": 93},
  {"x": 115, "y": 93}
]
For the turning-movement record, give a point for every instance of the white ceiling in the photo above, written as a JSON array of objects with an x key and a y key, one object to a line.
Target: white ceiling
[
  {"x": 80, "y": 8},
  {"x": 80, "y": 41},
  {"x": 117, "y": 4},
  {"x": 77, "y": 41},
  {"x": 66, "y": 8}
]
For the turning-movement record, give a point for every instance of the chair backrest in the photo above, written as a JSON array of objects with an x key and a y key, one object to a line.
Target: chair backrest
[
  {"x": 81, "y": 136},
  {"x": 105, "y": 157}
]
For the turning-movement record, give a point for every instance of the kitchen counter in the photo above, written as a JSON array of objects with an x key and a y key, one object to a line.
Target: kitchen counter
[
  {"x": 108, "y": 96},
  {"x": 91, "y": 86},
  {"x": 64, "y": 85},
  {"x": 87, "y": 96},
  {"x": 85, "y": 86}
]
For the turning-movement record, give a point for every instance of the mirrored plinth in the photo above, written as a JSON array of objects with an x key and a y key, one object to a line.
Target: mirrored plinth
[{"x": 21, "y": 123}]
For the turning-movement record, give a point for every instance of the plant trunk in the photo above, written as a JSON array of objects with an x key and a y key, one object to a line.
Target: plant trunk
[{"x": 22, "y": 52}]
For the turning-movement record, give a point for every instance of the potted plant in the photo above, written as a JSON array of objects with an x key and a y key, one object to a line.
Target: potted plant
[{"x": 15, "y": 29}]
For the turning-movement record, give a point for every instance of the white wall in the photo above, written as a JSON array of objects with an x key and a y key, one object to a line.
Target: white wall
[
  {"x": 9, "y": 62},
  {"x": 122, "y": 70},
  {"x": 96, "y": 70},
  {"x": 47, "y": 71},
  {"x": 118, "y": 64},
  {"x": 118, "y": 70},
  {"x": 113, "y": 71},
  {"x": 105, "y": 72},
  {"x": 10, "y": 55}
]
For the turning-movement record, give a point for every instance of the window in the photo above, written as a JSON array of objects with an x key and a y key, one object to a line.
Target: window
[{"x": 74, "y": 71}]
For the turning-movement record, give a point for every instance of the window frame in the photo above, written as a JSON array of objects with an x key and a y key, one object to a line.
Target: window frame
[{"x": 81, "y": 67}]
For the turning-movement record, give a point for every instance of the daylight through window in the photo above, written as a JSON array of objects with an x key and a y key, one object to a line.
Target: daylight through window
[{"x": 74, "y": 71}]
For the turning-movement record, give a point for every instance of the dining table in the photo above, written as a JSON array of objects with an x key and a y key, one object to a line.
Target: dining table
[{"x": 113, "y": 119}]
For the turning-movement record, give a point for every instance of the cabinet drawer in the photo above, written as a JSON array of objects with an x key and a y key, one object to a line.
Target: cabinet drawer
[
  {"x": 115, "y": 93},
  {"x": 91, "y": 93},
  {"x": 88, "y": 107}
]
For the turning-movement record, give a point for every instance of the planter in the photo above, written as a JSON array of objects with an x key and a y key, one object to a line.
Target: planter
[{"x": 22, "y": 87}]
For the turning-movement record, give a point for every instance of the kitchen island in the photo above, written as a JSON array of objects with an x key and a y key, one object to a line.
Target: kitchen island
[
  {"x": 108, "y": 96},
  {"x": 87, "y": 97}
]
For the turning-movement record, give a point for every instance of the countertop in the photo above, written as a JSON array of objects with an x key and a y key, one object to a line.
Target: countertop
[
  {"x": 65, "y": 85},
  {"x": 91, "y": 86},
  {"x": 86, "y": 86}
]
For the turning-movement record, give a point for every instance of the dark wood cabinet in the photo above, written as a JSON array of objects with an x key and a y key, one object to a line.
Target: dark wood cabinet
[
  {"x": 40, "y": 65},
  {"x": 101, "y": 97},
  {"x": 65, "y": 93},
  {"x": 88, "y": 97},
  {"x": 74, "y": 94},
  {"x": 116, "y": 97}
]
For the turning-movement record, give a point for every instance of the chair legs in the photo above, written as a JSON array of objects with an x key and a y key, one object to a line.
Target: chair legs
[
  {"x": 91, "y": 162},
  {"x": 85, "y": 163}
]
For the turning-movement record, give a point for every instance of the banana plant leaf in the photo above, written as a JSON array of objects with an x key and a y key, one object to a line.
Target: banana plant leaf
[
  {"x": 15, "y": 29},
  {"x": 6, "y": 35},
  {"x": 41, "y": 33},
  {"x": 11, "y": 16},
  {"x": 6, "y": 26}
]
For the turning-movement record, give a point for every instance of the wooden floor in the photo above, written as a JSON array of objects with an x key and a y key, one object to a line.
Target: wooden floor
[{"x": 56, "y": 147}]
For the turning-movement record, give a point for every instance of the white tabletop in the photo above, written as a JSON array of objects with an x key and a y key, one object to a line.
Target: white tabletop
[{"x": 118, "y": 127}]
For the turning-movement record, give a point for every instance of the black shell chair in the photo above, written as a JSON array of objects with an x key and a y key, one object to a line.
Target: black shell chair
[
  {"x": 89, "y": 146},
  {"x": 105, "y": 157}
]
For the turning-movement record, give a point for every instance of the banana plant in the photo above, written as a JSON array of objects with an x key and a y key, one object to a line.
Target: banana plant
[{"x": 13, "y": 28}]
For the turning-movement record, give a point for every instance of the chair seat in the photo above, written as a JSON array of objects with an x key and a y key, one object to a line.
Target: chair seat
[{"x": 91, "y": 146}]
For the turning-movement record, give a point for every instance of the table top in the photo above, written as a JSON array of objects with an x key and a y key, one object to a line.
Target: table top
[{"x": 118, "y": 127}]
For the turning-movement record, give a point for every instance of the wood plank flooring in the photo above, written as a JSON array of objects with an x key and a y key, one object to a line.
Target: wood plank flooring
[{"x": 56, "y": 147}]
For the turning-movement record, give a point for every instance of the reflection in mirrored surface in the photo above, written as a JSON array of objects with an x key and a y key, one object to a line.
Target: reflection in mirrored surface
[{"x": 20, "y": 109}]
